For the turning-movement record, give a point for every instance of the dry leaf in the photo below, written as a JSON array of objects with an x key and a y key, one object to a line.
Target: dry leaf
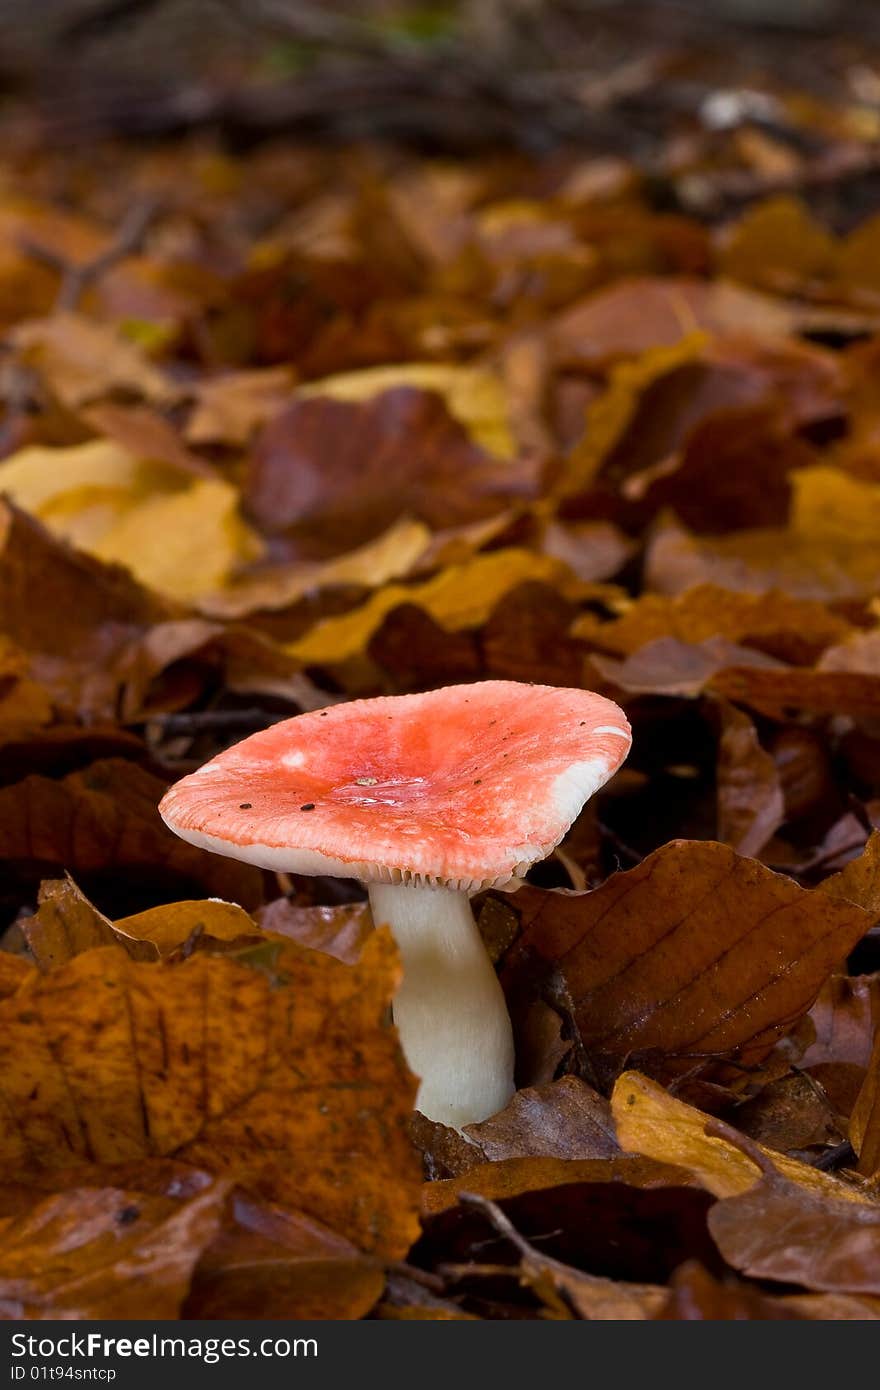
[
  {"x": 777, "y": 1231},
  {"x": 116, "y": 1060},
  {"x": 791, "y": 629},
  {"x": 82, "y": 360},
  {"x": 106, "y": 816},
  {"x": 97, "y": 1253},
  {"x": 751, "y": 805},
  {"x": 474, "y": 396},
  {"x": 462, "y": 596},
  {"x": 652, "y": 1123},
  {"x": 695, "y": 954},
  {"x": 332, "y": 475}
]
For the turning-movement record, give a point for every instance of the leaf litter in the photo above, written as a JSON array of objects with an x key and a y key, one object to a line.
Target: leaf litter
[{"x": 359, "y": 421}]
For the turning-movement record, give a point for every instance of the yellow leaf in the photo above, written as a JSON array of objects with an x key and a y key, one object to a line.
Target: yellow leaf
[
  {"x": 390, "y": 556},
  {"x": 609, "y": 416},
  {"x": 474, "y": 396},
  {"x": 36, "y": 476},
  {"x": 173, "y": 924},
  {"x": 779, "y": 236},
  {"x": 829, "y": 505},
  {"x": 185, "y": 543},
  {"x": 183, "y": 540},
  {"x": 651, "y": 1122},
  {"x": 462, "y": 596}
]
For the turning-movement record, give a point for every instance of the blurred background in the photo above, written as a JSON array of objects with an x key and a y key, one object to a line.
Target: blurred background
[{"x": 614, "y": 75}]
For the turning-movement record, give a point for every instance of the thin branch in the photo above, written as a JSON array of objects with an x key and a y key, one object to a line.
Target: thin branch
[{"x": 76, "y": 279}]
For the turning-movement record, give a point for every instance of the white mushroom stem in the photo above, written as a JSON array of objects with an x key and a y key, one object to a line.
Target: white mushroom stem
[{"x": 449, "y": 1009}]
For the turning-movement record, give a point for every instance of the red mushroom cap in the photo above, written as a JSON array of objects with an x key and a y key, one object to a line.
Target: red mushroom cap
[{"x": 466, "y": 786}]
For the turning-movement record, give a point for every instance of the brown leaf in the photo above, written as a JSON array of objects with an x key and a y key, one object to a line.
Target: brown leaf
[
  {"x": 231, "y": 407},
  {"x": 526, "y": 638},
  {"x": 635, "y": 316},
  {"x": 695, "y": 953},
  {"x": 865, "y": 1122},
  {"x": 75, "y": 617},
  {"x": 791, "y": 629},
  {"x": 332, "y": 475},
  {"x": 562, "y": 1119},
  {"x": 859, "y": 881},
  {"x": 64, "y": 925},
  {"x": 846, "y": 1013},
  {"x": 671, "y": 667},
  {"x": 306, "y": 1105},
  {"x": 514, "y": 1176},
  {"x": 751, "y": 806},
  {"x": 270, "y": 1263},
  {"x": 778, "y": 1231},
  {"x": 94, "y": 1253},
  {"x": 781, "y": 693},
  {"x": 777, "y": 243},
  {"x": 340, "y": 931},
  {"x": 106, "y": 817},
  {"x": 732, "y": 472},
  {"x": 694, "y": 1296},
  {"x": 790, "y": 1113},
  {"x": 146, "y": 434},
  {"x": 159, "y": 931},
  {"x": 82, "y": 360}
]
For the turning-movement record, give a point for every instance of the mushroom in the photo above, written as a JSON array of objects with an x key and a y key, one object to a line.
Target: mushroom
[{"x": 426, "y": 799}]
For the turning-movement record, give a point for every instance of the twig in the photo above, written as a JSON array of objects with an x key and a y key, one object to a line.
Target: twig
[{"x": 76, "y": 279}]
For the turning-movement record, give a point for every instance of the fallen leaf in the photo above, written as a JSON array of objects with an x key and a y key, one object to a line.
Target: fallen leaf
[
  {"x": 751, "y": 806},
  {"x": 341, "y": 931},
  {"x": 393, "y": 555},
  {"x": 670, "y": 667},
  {"x": 184, "y": 925},
  {"x": 77, "y": 620},
  {"x": 778, "y": 1231},
  {"x": 792, "y": 629},
  {"x": 96, "y": 1253},
  {"x": 694, "y": 954},
  {"x": 640, "y": 315},
  {"x": 64, "y": 925},
  {"x": 652, "y": 1123},
  {"x": 865, "y": 1122},
  {"x": 562, "y": 1119},
  {"x": 514, "y": 1176},
  {"x": 106, "y": 817},
  {"x": 231, "y": 407},
  {"x": 15, "y": 971},
  {"x": 332, "y": 475},
  {"x": 474, "y": 395},
  {"x": 777, "y": 243},
  {"x": 82, "y": 360},
  {"x": 154, "y": 539},
  {"x": 267, "y": 1263},
  {"x": 127, "y": 1060},
  {"x": 462, "y": 596},
  {"x": 694, "y": 1296},
  {"x": 146, "y": 434}
]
